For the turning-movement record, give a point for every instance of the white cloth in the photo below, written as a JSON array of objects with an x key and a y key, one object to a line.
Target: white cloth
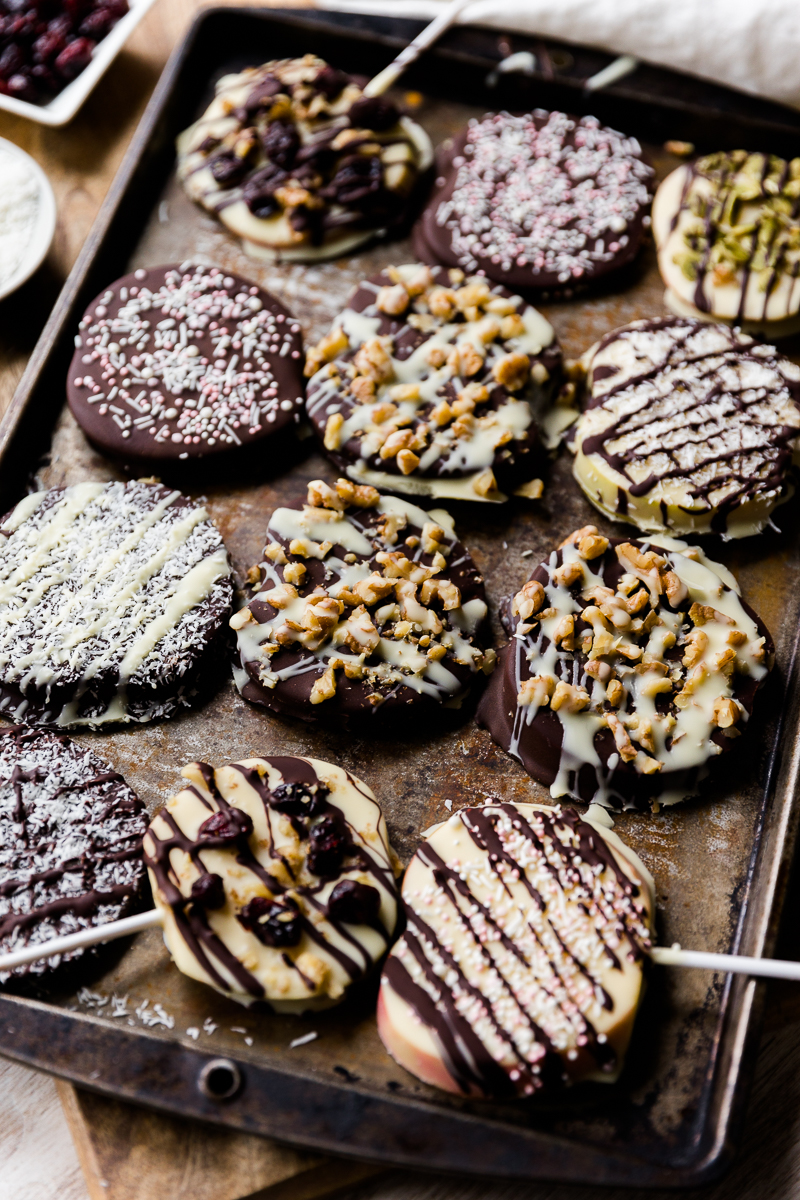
[{"x": 752, "y": 45}]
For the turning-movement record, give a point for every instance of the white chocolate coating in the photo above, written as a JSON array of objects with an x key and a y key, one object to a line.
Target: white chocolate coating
[
  {"x": 270, "y": 863},
  {"x": 522, "y": 956}
]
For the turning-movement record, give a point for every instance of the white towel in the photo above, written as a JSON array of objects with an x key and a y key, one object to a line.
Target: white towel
[{"x": 752, "y": 45}]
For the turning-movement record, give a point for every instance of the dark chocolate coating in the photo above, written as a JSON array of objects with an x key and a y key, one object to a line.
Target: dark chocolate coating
[
  {"x": 541, "y": 741},
  {"x": 514, "y": 463},
  {"x": 184, "y": 658},
  {"x": 261, "y": 369},
  {"x": 357, "y": 700},
  {"x": 70, "y": 843},
  {"x": 556, "y": 244}
]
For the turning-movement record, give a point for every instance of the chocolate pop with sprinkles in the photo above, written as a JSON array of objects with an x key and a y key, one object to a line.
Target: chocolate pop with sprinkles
[
  {"x": 113, "y": 598},
  {"x": 70, "y": 844},
  {"x": 542, "y": 200},
  {"x": 521, "y": 963},
  {"x": 689, "y": 428},
  {"x": 632, "y": 666},
  {"x": 365, "y": 609},
  {"x": 275, "y": 880},
  {"x": 183, "y": 362}
]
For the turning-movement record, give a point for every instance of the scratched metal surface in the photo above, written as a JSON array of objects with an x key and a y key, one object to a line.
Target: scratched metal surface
[{"x": 699, "y": 853}]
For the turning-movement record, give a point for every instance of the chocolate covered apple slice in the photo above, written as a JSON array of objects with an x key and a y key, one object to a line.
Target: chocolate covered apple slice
[{"x": 521, "y": 962}]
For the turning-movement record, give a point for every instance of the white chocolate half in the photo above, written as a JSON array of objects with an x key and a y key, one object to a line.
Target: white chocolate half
[
  {"x": 212, "y": 945},
  {"x": 757, "y": 300},
  {"x": 513, "y": 962},
  {"x": 699, "y": 410}
]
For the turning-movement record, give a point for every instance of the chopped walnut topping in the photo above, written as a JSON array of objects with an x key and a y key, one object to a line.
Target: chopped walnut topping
[
  {"x": 275, "y": 553},
  {"x": 485, "y": 484},
  {"x": 592, "y": 546},
  {"x": 568, "y": 574},
  {"x": 407, "y": 461},
  {"x": 623, "y": 743},
  {"x": 333, "y": 431},
  {"x": 528, "y": 600},
  {"x": 569, "y": 697},
  {"x": 533, "y": 490},
  {"x": 324, "y": 687},
  {"x": 374, "y": 361},
  {"x": 614, "y": 693},
  {"x": 393, "y": 300},
  {"x": 512, "y": 371},
  {"x": 537, "y": 690},
  {"x": 696, "y": 643},
  {"x": 325, "y": 351}
]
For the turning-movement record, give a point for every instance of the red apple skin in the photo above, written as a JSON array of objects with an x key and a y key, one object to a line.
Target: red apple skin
[{"x": 427, "y": 1068}]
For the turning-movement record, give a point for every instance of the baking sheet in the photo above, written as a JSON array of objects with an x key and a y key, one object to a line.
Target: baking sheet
[{"x": 139, "y": 1029}]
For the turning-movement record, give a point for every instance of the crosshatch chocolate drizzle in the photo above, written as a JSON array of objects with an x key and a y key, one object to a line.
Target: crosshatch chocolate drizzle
[
  {"x": 706, "y": 416},
  {"x": 346, "y": 852},
  {"x": 553, "y": 851}
]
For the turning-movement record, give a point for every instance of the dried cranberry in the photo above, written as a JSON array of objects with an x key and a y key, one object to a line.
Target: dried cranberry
[
  {"x": 258, "y": 192},
  {"x": 11, "y": 60},
  {"x": 373, "y": 112},
  {"x": 299, "y": 799},
  {"x": 22, "y": 88},
  {"x": 75, "y": 58},
  {"x": 97, "y": 24},
  {"x": 62, "y": 25},
  {"x": 354, "y": 903},
  {"x": 227, "y": 169},
  {"x": 328, "y": 843},
  {"x": 48, "y": 46},
  {"x": 76, "y": 8},
  {"x": 273, "y": 923},
  {"x": 227, "y": 826},
  {"x": 209, "y": 891},
  {"x": 330, "y": 81},
  {"x": 357, "y": 181},
  {"x": 261, "y": 95},
  {"x": 281, "y": 142}
]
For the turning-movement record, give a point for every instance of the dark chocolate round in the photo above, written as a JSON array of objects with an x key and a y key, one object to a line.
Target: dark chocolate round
[
  {"x": 113, "y": 598},
  {"x": 540, "y": 200},
  {"x": 70, "y": 843},
  {"x": 361, "y": 626},
  {"x": 185, "y": 361},
  {"x": 655, "y": 678}
]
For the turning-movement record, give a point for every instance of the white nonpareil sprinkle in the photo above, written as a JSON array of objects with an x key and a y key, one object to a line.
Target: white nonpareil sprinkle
[
  {"x": 304, "y": 1040},
  {"x": 19, "y": 208}
]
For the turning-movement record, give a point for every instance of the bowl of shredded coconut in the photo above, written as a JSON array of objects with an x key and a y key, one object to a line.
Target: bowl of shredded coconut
[{"x": 27, "y": 217}]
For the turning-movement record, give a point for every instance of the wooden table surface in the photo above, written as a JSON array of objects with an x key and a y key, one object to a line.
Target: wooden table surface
[{"x": 36, "y": 1160}]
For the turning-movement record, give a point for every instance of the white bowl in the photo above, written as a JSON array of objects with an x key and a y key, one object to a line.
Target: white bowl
[
  {"x": 63, "y": 107},
  {"x": 44, "y": 229}
]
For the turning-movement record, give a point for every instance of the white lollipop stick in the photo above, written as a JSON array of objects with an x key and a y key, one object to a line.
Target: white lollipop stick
[
  {"x": 77, "y": 941},
  {"x": 389, "y": 75},
  {"x": 735, "y": 964}
]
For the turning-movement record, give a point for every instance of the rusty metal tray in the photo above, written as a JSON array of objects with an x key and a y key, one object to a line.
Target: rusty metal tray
[{"x": 720, "y": 862}]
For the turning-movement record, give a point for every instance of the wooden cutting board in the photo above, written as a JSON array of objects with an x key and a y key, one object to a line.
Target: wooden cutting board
[{"x": 129, "y": 1153}]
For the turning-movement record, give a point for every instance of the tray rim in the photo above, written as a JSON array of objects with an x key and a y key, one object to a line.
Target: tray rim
[{"x": 742, "y": 999}]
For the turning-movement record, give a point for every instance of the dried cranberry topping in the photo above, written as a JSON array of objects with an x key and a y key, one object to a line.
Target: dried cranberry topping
[
  {"x": 227, "y": 826},
  {"x": 328, "y": 843},
  {"x": 74, "y": 58},
  {"x": 354, "y": 903},
  {"x": 228, "y": 169},
  {"x": 299, "y": 799},
  {"x": 44, "y": 44},
  {"x": 281, "y": 143},
  {"x": 258, "y": 192},
  {"x": 209, "y": 891},
  {"x": 357, "y": 181},
  {"x": 261, "y": 96},
  {"x": 273, "y": 924},
  {"x": 373, "y": 112},
  {"x": 330, "y": 81}
]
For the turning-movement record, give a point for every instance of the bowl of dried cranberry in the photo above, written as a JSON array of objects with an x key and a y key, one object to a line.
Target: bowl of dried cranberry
[{"x": 53, "y": 52}]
